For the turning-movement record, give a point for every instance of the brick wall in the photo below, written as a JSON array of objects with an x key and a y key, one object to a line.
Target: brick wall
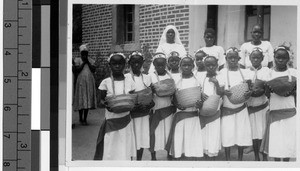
[
  {"x": 154, "y": 19},
  {"x": 97, "y": 29}
]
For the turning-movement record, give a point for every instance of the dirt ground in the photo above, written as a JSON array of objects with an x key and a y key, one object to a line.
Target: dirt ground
[{"x": 84, "y": 140}]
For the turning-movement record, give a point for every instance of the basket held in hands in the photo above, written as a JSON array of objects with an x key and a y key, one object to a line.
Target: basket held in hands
[
  {"x": 121, "y": 103},
  {"x": 282, "y": 85},
  {"x": 188, "y": 97},
  {"x": 238, "y": 92},
  {"x": 144, "y": 97},
  {"x": 210, "y": 105},
  {"x": 165, "y": 87}
]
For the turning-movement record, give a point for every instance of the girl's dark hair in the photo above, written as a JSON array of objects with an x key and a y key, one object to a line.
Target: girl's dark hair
[
  {"x": 210, "y": 30},
  {"x": 201, "y": 51},
  {"x": 213, "y": 57},
  {"x": 123, "y": 59}
]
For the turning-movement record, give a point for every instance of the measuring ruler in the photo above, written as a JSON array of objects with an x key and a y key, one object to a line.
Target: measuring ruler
[{"x": 17, "y": 62}]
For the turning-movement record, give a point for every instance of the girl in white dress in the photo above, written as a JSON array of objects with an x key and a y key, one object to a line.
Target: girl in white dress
[
  {"x": 116, "y": 136},
  {"x": 169, "y": 41},
  {"x": 161, "y": 119},
  {"x": 212, "y": 84},
  {"x": 235, "y": 123},
  {"x": 200, "y": 55},
  {"x": 211, "y": 49},
  {"x": 140, "y": 114},
  {"x": 173, "y": 64},
  {"x": 185, "y": 138},
  {"x": 258, "y": 104},
  {"x": 282, "y": 135},
  {"x": 257, "y": 41}
]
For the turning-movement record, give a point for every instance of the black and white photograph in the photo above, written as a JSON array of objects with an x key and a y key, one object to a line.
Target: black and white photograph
[{"x": 211, "y": 83}]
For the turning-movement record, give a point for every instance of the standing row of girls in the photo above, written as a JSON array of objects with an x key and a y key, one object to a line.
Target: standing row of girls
[{"x": 189, "y": 131}]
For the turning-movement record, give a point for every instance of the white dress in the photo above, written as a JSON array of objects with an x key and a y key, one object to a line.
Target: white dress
[
  {"x": 120, "y": 144},
  {"x": 235, "y": 128},
  {"x": 211, "y": 133},
  {"x": 187, "y": 133},
  {"x": 282, "y": 139},
  {"x": 141, "y": 124},
  {"x": 163, "y": 129},
  {"x": 216, "y": 51},
  {"x": 258, "y": 119},
  {"x": 247, "y": 48}
]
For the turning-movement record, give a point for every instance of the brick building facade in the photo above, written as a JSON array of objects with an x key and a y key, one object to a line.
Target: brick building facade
[
  {"x": 97, "y": 30},
  {"x": 101, "y": 27}
]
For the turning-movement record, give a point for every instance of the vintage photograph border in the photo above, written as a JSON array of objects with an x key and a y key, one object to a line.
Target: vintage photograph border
[{"x": 65, "y": 89}]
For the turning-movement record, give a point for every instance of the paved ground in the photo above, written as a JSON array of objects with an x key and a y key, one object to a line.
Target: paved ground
[{"x": 84, "y": 140}]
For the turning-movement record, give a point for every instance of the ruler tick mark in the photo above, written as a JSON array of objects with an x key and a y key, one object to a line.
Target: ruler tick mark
[
  {"x": 21, "y": 167},
  {"x": 24, "y": 150},
  {"x": 25, "y": 8},
  {"x": 24, "y": 79},
  {"x": 23, "y": 114},
  {"x": 22, "y": 26},
  {"x": 10, "y": 76},
  {"x": 10, "y": 20},
  {"x": 22, "y": 62},
  {"x": 10, "y": 48}
]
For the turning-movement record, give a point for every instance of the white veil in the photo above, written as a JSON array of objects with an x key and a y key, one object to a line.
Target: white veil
[{"x": 163, "y": 38}]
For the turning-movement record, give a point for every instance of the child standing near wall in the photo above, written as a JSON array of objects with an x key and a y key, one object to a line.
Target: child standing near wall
[
  {"x": 211, "y": 49},
  {"x": 258, "y": 104},
  {"x": 116, "y": 139},
  {"x": 185, "y": 139},
  {"x": 140, "y": 114},
  {"x": 281, "y": 90},
  {"x": 235, "y": 123},
  {"x": 246, "y": 48},
  {"x": 161, "y": 119}
]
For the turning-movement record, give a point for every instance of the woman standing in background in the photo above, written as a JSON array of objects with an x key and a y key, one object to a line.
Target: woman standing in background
[{"x": 85, "y": 89}]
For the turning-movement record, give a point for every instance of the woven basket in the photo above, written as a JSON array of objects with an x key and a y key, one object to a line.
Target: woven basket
[
  {"x": 144, "y": 96},
  {"x": 165, "y": 87},
  {"x": 238, "y": 92},
  {"x": 188, "y": 97},
  {"x": 210, "y": 105},
  {"x": 121, "y": 103},
  {"x": 281, "y": 85}
]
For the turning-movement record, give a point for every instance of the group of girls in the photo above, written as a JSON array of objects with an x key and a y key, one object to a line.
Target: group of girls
[{"x": 265, "y": 120}]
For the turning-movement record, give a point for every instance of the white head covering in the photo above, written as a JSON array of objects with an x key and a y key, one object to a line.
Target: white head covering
[
  {"x": 136, "y": 53},
  {"x": 163, "y": 38},
  {"x": 114, "y": 54},
  {"x": 83, "y": 47},
  {"x": 159, "y": 55}
]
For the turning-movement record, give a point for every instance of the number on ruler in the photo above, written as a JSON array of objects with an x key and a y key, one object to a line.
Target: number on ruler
[
  {"x": 25, "y": 3},
  {"x": 7, "y": 53},
  {"x": 7, "y": 25},
  {"x": 7, "y": 136},
  {"x": 7, "y": 108},
  {"x": 23, "y": 145},
  {"x": 6, "y": 164},
  {"x": 24, "y": 74},
  {"x": 7, "y": 80}
]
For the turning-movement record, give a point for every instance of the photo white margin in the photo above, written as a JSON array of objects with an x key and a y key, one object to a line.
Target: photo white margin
[{"x": 96, "y": 165}]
